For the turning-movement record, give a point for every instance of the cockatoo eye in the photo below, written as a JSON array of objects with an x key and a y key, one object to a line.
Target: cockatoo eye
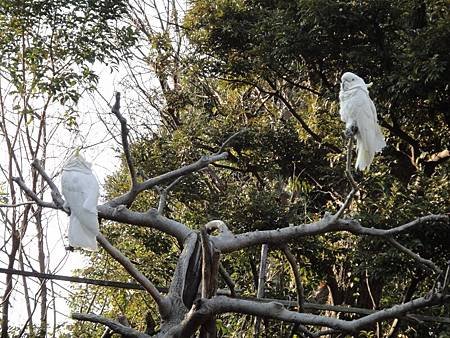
[{"x": 353, "y": 79}]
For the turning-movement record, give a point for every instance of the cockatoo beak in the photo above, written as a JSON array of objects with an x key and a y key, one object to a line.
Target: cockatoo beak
[{"x": 344, "y": 85}]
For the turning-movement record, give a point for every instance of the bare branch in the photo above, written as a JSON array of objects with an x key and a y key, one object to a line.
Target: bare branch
[
  {"x": 418, "y": 221},
  {"x": 112, "y": 324},
  {"x": 189, "y": 249},
  {"x": 33, "y": 196},
  {"x": 261, "y": 283},
  {"x": 415, "y": 256},
  {"x": 56, "y": 195},
  {"x": 348, "y": 173},
  {"x": 327, "y": 224},
  {"x": 228, "y": 280},
  {"x": 206, "y": 263},
  {"x": 228, "y": 140},
  {"x": 298, "y": 279},
  {"x": 162, "y": 302},
  {"x": 163, "y": 195},
  {"x": 125, "y": 145},
  {"x": 203, "y": 162},
  {"x": 210, "y": 261},
  {"x": 222, "y": 304},
  {"x": 150, "y": 219},
  {"x": 220, "y": 226},
  {"x": 16, "y": 204}
]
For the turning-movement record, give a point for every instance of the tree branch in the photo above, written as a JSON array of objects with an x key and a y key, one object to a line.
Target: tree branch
[
  {"x": 210, "y": 261},
  {"x": 227, "y": 279},
  {"x": 203, "y": 162},
  {"x": 222, "y": 304},
  {"x": 415, "y": 256},
  {"x": 149, "y": 219},
  {"x": 33, "y": 196},
  {"x": 348, "y": 173},
  {"x": 125, "y": 145},
  {"x": 163, "y": 195},
  {"x": 261, "y": 283},
  {"x": 228, "y": 140},
  {"x": 297, "y": 278},
  {"x": 206, "y": 263},
  {"x": 231, "y": 243},
  {"x": 56, "y": 195},
  {"x": 162, "y": 302},
  {"x": 112, "y": 324}
]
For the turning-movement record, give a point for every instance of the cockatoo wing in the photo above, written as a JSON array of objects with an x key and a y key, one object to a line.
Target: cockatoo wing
[
  {"x": 369, "y": 139},
  {"x": 81, "y": 191}
]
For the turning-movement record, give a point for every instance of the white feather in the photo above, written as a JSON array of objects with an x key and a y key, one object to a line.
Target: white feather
[
  {"x": 81, "y": 191},
  {"x": 356, "y": 108}
]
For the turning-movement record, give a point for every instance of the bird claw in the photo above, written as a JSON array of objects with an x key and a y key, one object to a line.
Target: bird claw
[{"x": 351, "y": 131}]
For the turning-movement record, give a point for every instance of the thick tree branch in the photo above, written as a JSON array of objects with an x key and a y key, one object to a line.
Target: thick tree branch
[
  {"x": 210, "y": 261},
  {"x": 149, "y": 219},
  {"x": 206, "y": 263},
  {"x": 231, "y": 243},
  {"x": 112, "y": 324},
  {"x": 125, "y": 144},
  {"x": 203, "y": 162},
  {"x": 188, "y": 256},
  {"x": 221, "y": 304},
  {"x": 162, "y": 302}
]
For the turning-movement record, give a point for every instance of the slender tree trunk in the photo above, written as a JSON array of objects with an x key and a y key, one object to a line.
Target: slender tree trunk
[
  {"x": 27, "y": 296},
  {"x": 9, "y": 285},
  {"x": 41, "y": 257}
]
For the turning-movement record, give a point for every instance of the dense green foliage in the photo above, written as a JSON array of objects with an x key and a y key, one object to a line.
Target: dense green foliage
[
  {"x": 49, "y": 48},
  {"x": 272, "y": 67}
]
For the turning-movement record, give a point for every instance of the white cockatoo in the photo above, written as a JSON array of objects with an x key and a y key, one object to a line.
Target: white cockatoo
[
  {"x": 81, "y": 191},
  {"x": 360, "y": 116}
]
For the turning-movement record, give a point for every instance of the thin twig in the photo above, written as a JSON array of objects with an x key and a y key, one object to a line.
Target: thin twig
[
  {"x": 203, "y": 162},
  {"x": 56, "y": 195},
  {"x": 163, "y": 194},
  {"x": 298, "y": 279},
  {"x": 112, "y": 324},
  {"x": 16, "y": 205},
  {"x": 348, "y": 173},
  {"x": 228, "y": 140},
  {"x": 33, "y": 195},
  {"x": 415, "y": 256},
  {"x": 228, "y": 280},
  {"x": 261, "y": 283}
]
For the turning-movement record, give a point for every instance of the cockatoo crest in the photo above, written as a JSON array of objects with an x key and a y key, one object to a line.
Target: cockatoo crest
[
  {"x": 360, "y": 116},
  {"x": 81, "y": 191}
]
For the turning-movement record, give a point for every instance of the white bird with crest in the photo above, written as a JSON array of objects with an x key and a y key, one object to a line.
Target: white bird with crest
[
  {"x": 81, "y": 191},
  {"x": 360, "y": 116}
]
